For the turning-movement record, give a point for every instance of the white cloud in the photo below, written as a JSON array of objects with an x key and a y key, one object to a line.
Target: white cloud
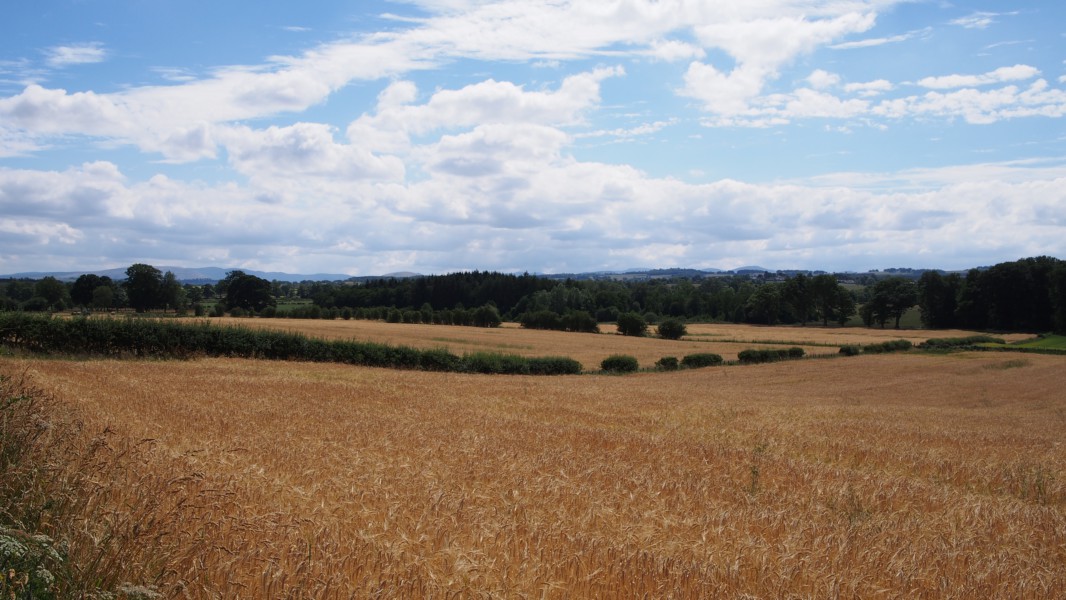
[
  {"x": 872, "y": 42},
  {"x": 306, "y": 150},
  {"x": 979, "y": 19},
  {"x": 760, "y": 47},
  {"x": 821, "y": 80},
  {"x": 870, "y": 88},
  {"x": 1000, "y": 75},
  {"x": 673, "y": 50},
  {"x": 485, "y": 102},
  {"x": 58, "y": 57}
]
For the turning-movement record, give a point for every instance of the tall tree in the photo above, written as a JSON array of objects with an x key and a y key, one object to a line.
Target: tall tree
[
  {"x": 143, "y": 285},
  {"x": 765, "y": 303},
  {"x": 53, "y": 291},
  {"x": 891, "y": 298},
  {"x": 938, "y": 299},
  {"x": 247, "y": 291},
  {"x": 81, "y": 293},
  {"x": 799, "y": 295},
  {"x": 171, "y": 292}
]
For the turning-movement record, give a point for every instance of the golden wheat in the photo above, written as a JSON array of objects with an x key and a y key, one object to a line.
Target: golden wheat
[{"x": 909, "y": 476}]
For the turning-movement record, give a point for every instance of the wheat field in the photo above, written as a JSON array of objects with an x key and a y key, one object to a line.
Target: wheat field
[
  {"x": 726, "y": 340},
  {"x": 896, "y": 476}
]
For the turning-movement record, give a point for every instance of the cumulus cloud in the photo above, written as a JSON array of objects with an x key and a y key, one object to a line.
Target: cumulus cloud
[
  {"x": 502, "y": 193},
  {"x": 490, "y": 101},
  {"x": 820, "y": 79},
  {"x": 760, "y": 47}
]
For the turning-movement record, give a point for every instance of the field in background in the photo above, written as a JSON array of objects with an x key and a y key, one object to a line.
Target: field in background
[
  {"x": 913, "y": 475},
  {"x": 590, "y": 349}
]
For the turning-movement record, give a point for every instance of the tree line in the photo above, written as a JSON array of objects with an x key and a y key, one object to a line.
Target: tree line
[{"x": 1024, "y": 295}]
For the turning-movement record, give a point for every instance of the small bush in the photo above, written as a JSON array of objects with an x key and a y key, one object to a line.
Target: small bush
[
  {"x": 850, "y": 350},
  {"x": 236, "y": 312},
  {"x": 672, "y": 329},
  {"x": 796, "y": 352},
  {"x": 620, "y": 363},
  {"x": 632, "y": 324},
  {"x": 554, "y": 365},
  {"x": 667, "y": 363},
  {"x": 700, "y": 360}
]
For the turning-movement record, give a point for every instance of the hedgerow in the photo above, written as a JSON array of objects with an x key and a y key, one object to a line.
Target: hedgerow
[
  {"x": 703, "y": 359},
  {"x": 765, "y": 355},
  {"x": 152, "y": 338},
  {"x": 889, "y": 346}
]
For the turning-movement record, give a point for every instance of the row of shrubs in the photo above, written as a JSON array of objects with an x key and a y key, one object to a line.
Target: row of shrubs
[
  {"x": 879, "y": 348},
  {"x": 170, "y": 339},
  {"x": 960, "y": 342},
  {"x": 622, "y": 363},
  {"x": 765, "y": 355}
]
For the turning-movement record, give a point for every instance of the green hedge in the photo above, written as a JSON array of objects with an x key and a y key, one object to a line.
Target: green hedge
[
  {"x": 703, "y": 359},
  {"x": 765, "y": 355},
  {"x": 620, "y": 363},
  {"x": 153, "y": 338},
  {"x": 889, "y": 346},
  {"x": 960, "y": 342}
]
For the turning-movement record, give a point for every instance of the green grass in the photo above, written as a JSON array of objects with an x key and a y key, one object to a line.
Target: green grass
[{"x": 1048, "y": 342}]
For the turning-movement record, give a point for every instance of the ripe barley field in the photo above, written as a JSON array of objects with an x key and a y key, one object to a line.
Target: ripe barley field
[
  {"x": 892, "y": 476},
  {"x": 591, "y": 349}
]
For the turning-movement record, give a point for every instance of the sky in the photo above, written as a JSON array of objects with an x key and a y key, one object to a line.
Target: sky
[{"x": 547, "y": 137}]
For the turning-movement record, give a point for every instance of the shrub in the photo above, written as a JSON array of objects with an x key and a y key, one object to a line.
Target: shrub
[
  {"x": 218, "y": 311},
  {"x": 703, "y": 359},
  {"x": 850, "y": 350},
  {"x": 554, "y": 365},
  {"x": 236, "y": 312},
  {"x": 796, "y": 352},
  {"x": 672, "y": 329},
  {"x": 632, "y": 324},
  {"x": 580, "y": 321},
  {"x": 620, "y": 363},
  {"x": 268, "y": 312},
  {"x": 667, "y": 363}
]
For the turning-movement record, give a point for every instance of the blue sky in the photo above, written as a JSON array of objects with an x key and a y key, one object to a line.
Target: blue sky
[{"x": 445, "y": 135}]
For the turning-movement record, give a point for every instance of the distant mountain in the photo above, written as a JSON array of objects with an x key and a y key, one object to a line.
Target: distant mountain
[
  {"x": 186, "y": 274},
  {"x": 753, "y": 269}
]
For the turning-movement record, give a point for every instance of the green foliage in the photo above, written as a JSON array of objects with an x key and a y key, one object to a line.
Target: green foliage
[
  {"x": 672, "y": 329},
  {"x": 493, "y": 363},
  {"x": 247, "y": 292},
  {"x": 851, "y": 350},
  {"x": 889, "y": 346},
  {"x": 620, "y": 363},
  {"x": 702, "y": 359},
  {"x": 487, "y": 316},
  {"x": 153, "y": 338},
  {"x": 632, "y": 324},
  {"x": 890, "y": 298},
  {"x": 960, "y": 342},
  {"x": 144, "y": 284},
  {"x": 554, "y": 365},
  {"x": 667, "y": 363},
  {"x": 765, "y": 355}
]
